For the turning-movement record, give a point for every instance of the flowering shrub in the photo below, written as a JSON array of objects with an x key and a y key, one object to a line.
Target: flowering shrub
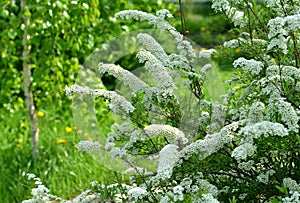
[{"x": 252, "y": 155}]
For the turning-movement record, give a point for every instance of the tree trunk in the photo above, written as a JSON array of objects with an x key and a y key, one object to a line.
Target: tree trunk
[{"x": 30, "y": 106}]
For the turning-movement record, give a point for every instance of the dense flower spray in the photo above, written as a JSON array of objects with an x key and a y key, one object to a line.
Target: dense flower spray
[{"x": 253, "y": 155}]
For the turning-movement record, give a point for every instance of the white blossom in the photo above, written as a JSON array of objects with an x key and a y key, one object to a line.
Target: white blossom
[
  {"x": 206, "y": 198},
  {"x": 118, "y": 152},
  {"x": 264, "y": 128},
  {"x": 127, "y": 77},
  {"x": 211, "y": 143},
  {"x": 168, "y": 156},
  {"x": 206, "y": 53},
  {"x": 136, "y": 193},
  {"x": 237, "y": 17},
  {"x": 40, "y": 191},
  {"x": 264, "y": 177},
  {"x": 288, "y": 115},
  {"x": 276, "y": 27},
  {"x": 207, "y": 186},
  {"x": 292, "y": 23},
  {"x": 256, "y": 112},
  {"x": 249, "y": 66},
  {"x": 174, "y": 135},
  {"x": 178, "y": 195},
  {"x": 243, "y": 151},
  {"x": 291, "y": 184},
  {"x": 247, "y": 166},
  {"x": 164, "y": 13},
  {"x": 295, "y": 198},
  {"x": 280, "y": 42},
  {"x": 232, "y": 44},
  {"x": 220, "y": 5},
  {"x": 158, "y": 71},
  {"x": 151, "y": 45},
  {"x": 89, "y": 146},
  {"x": 117, "y": 101}
]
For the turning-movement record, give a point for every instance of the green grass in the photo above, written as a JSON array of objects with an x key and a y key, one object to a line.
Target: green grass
[{"x": 64, "y": 170}]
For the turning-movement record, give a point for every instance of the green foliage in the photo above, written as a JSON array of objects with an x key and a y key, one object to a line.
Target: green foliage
[{"x": 62, "y": 35}]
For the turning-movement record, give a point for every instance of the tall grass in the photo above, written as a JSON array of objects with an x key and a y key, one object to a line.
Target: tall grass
[{"x": 64, "y": 170}]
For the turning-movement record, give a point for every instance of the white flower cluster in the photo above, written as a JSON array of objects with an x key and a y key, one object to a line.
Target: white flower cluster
[
  {"x": 136, "y": 193},
  {"x": 233, "y": 44},
  {"x": 211, "y": 143},
  {"x": 118, "y": 152},
  {"x": 125, "y": 76},
  {"x": 207, "y": 186},
  {"x": 288, "y": 114},
  {"x": 291, "y": 184},
  {"x": 249, "y": 66},
  {"x": 273, "y": 3},
  {"x": 277, "y": 34},
  {"x": 256, "y": 112},
  {"x": 41, "y": 192},
  {"x": 236, "y": 43},
  {"x": 89, "y": 146},
  {"x": 247, "y": 166},
  {"x": 295, "y": 198},
  {"x": 158, "y": 71},
  {"x": 243, "y": 151},
  {"x": 184, "y": 47},
  {"x": 264, "y": 177},
  {"x": 174, "y": 135},
  {"x": 237, "y": 17},
  {"x": 206, "y": 53},
  {"x": 117, "y": 101},
  {"x": 264, "y": 128},
  {"x": 206, "y": 198},
  {"x": 168, "y": 157},
  {"x": 178, "y": 195},
  {"x": 186, "y": 50},
  {"x": 164, "y": 13},
  {"x": 279, "y": 29},
  {"x": 151, "y": 45}
]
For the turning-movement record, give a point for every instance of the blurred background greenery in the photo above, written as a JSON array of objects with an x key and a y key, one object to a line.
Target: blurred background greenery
[{"x": 62, "y": 35}]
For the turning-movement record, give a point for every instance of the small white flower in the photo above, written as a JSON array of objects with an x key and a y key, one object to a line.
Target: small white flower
[
  {"x": 89, "y": 146},
  {"x": 249, "y": 66},
  {"x": 136, "y": 193}
]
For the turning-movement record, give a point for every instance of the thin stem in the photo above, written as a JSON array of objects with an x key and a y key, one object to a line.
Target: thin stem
[
  {"x": 256, "y": 16},
  {"x": 296, "y": 51},
  {"x": 30, "y": 105},
  {"x": 182, "y": 18}
]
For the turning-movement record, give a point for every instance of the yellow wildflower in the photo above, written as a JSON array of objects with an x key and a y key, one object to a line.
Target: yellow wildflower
[
  {"x": 22, "y": 125},
  {"x": 61, "y": 141},
  {"x": 20, "y": 140},
  {"x": 57, "y": 121},
  {"x": 68, "y": 129},
  {"x": 259, "y": 196},
  {"x": 203, "y": 49},
  {"x": 18, "y": 145},
  {"x": 40, "y": 113},
  {"x": 202, "y": 28}
]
